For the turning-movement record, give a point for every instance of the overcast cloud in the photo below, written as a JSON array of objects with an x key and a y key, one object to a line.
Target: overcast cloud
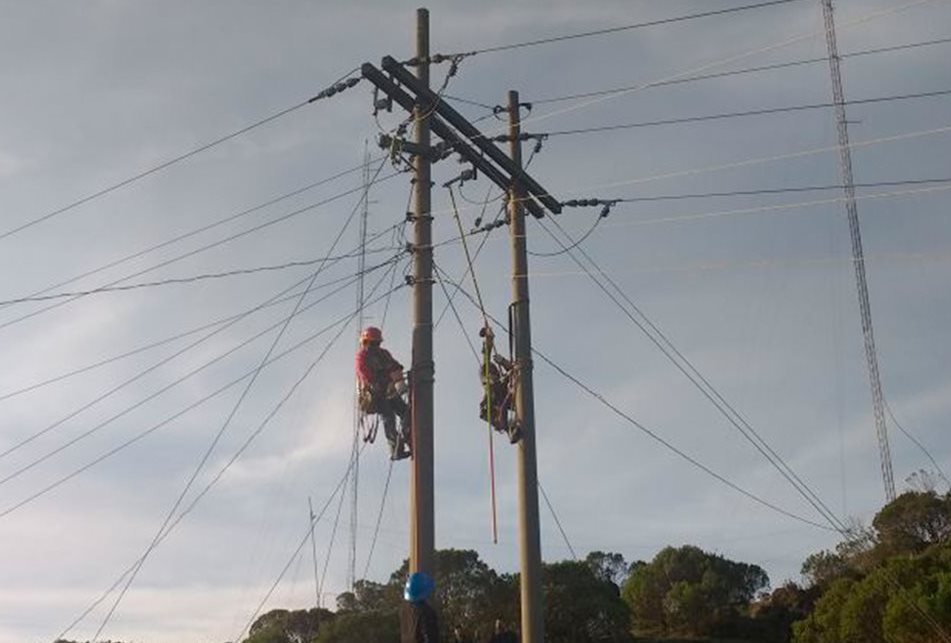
[{"x": 761, "y": 301}]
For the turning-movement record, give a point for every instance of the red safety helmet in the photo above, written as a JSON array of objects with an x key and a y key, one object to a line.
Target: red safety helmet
[{"x": 371, "y": 334}]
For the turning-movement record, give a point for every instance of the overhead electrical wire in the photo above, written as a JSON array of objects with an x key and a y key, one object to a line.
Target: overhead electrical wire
[
  {"x": 82, "y": 436},
  {"x": 725, "y": 74},
  {"x": 167, "y": 340},
  {"x": 784, "y": 190},
  {"x": 744, "y": 114},
  {"x": 554, "y": 515},
  {"x": 693, "y": 461},
  {"x": 195, "y": 231},
  {"x": 938, "y": 470},
  {"x": 294, "y": 555},
  {"x": 208, "y": 246},
  {"x": 234, "y": 410},
  {"x": 181, "y": 351},
  {"x": 344, "y": 82},
  {"x": 875, "y": 15},
  {"x": 170, "y": 419},
  {"x": 316, "y": 518},
  {"x": 781, "y": 206},
  {"x": 629, "y": 27},
  {"x": 193, "y": 278},
  {"x": 761, "y": 160},
  {"x": 650, "y": 329}
]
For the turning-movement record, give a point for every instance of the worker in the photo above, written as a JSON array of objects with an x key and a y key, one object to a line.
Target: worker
[
  {"x": 497, "y": 386},
  {"x": 381, "y": 387},
  {"x": 417, "y": 617}
]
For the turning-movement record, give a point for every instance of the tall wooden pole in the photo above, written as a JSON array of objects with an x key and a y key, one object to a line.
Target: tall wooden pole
[
  {"x": 530, "y": 556},
  {"x": 422, "y": 527}
]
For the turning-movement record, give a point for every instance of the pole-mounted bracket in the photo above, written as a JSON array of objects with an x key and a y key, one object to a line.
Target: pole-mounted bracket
[
  {"x": 488, "y": 159},
  {"x": 397, "y": 145}
]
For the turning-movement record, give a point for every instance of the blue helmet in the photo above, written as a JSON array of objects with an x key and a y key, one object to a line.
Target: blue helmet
[{"x": 418, "y": 586}]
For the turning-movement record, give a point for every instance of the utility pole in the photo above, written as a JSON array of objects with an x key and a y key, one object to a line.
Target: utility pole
[
  {"x": 865, "y": 310},
  {"x": 530, "y": 556},
  {"x": 422, "y": 505}
]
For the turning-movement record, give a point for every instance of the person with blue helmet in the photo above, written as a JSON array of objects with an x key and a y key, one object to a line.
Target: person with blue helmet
[{"x": 417, "y": 617}]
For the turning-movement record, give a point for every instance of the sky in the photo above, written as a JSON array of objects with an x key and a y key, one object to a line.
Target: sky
[{"x": 757, "y": 291}]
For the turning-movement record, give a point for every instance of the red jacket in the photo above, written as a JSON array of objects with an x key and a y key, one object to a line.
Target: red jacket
[{"x": 376, "y": 367}]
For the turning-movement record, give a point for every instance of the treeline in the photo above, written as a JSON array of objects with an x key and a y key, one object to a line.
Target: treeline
[{"x": 889, "y": 582}]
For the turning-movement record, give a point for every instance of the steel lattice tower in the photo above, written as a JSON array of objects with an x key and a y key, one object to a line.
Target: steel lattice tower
[{"x": 858, "y": 258}]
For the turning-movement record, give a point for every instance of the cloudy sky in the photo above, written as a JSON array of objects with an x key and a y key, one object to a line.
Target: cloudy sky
[{"x": 757, "y": 291}]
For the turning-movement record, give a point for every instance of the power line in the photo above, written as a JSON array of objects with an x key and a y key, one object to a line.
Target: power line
[
  {"x": 760, "y": 160},
  {"x": 783, "y": 206},
  {"x": 379, "y": 519},
  {"x": 23, "y": 469},
  {"x": 234, "y": 411},
  {"x": 294, "y": 555},
  {"x": 554, "y": 515},
  {"x": 167, "y": 340},
  {"x": 209, "y": 246},
  {"x": 686, "y": 367},
  {"x": 785, "y": 190},
  {"x": 639, "y": 25},
  {"x": 194, "y": 278},
  {"x": 650, "y": 433},
  {"x": 918, "y": 444},
  {"x": 176, "y": 415},
  {"x": 744, "y": 114},
  {"x": 875, "y": 15},
  {"x": 342, "y": 83},
  {"x": 198, "y": 230},
  {"x": 723, "y": 74}
]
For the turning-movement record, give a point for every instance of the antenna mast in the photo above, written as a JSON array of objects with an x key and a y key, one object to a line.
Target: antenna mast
[{"x": 858, "y": 258}]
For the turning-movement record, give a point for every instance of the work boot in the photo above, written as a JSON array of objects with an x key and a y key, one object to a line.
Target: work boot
[{"x": 514, "y": 431}]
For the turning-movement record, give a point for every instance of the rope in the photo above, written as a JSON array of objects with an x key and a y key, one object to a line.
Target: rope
[
  {"x": 486, "y": 365},
  {"x": 379, "y": 519}
]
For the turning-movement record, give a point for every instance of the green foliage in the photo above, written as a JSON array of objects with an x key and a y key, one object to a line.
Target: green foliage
[
  {"x": 470, "y": 595},
  {"x": 378, "y": 626},
  {"x": 913, "y": 521},
  {"x": 284, "y": 626},
  {"x": 608, "y": 567},
  {"x": 580, "y": 607},
  {"x": 901, "y": 601},
  {"x": 689, "y": 592}
]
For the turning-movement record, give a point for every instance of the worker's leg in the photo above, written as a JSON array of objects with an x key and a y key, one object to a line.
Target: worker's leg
[{"x": 401, "y": 409}]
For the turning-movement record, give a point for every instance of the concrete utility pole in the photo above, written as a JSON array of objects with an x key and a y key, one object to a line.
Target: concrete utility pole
[
  {"x": 422, "y": 505},
  {"x": 530, "y": 555}
]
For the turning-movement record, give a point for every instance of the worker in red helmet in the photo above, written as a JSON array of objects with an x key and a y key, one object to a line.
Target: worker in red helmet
[{"x": 381, "y": 387}]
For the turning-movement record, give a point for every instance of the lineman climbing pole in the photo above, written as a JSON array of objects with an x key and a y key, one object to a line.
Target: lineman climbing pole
[{"x": 858, "y": 258}]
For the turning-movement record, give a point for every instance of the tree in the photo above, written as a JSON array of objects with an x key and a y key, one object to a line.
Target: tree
[
  {"x": 580, "y": 607},
  {"x": 284, "y": 626},
  {"x": 690, "y": 592},
  {"x": 913, "y": 521},
  {"x": 608, "y": 567},
  {"x": 823, "y": 567},
  {"x": 467, "y": 592},
  {"x": 903, "y": 600},
  {"x": 378, "y": 626}
]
